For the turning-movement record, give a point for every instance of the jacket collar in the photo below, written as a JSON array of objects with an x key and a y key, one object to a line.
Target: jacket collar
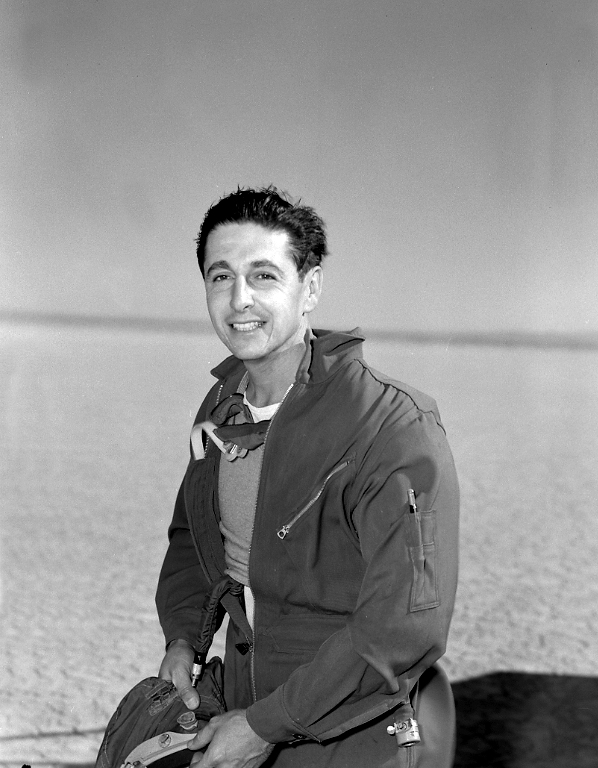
[{"x": 325, "y": 352}]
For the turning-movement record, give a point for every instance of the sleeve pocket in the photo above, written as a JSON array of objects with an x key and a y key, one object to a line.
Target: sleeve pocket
[{"x": 424, "y": 589}]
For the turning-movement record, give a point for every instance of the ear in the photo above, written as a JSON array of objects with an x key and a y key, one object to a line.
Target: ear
[{"x": 313, "y": 288}]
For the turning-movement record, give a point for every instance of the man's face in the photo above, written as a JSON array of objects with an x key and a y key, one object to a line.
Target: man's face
[{"x": 256, "y": 299}]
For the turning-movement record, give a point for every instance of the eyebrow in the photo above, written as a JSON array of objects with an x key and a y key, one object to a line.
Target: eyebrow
[
  {"x": 257, "y": 264},
  {"x": 218, "y": 265}
]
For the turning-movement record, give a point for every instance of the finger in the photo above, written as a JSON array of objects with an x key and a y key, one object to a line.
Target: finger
[
  {"x": 203, "y": 737},
  {"x": 164, "y": 671}
]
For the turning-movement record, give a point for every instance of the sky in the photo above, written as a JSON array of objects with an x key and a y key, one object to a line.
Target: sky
[{"x": 451, "y": 148}]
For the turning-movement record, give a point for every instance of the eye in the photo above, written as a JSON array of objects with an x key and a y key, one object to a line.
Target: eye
[
  {"x": 265, "y": 276},
  {"x": 219, "y": 278}
]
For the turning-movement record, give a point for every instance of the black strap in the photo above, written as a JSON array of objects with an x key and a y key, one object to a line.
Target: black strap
[
  {"x": 223, "y": 589},
  {"x": 226, "y": 591},
  {"x": 205, "y": 527}
]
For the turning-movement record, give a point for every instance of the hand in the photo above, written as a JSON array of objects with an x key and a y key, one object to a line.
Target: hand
[
  {"x": 232, "y": 743},
  {"x": 176, "y": 666}
]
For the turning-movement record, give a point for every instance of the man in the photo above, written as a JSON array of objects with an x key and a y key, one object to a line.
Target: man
[{"x": 337, "y": 510}]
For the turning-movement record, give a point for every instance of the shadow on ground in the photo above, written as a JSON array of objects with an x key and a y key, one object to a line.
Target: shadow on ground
[{"x": 518, "y": 720}]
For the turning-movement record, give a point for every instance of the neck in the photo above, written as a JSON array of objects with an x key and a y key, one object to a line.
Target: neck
[{"x": 269, "y": 380}]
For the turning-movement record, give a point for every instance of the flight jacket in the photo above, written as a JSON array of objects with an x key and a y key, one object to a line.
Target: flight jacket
[{"x": 354, "y": 587}]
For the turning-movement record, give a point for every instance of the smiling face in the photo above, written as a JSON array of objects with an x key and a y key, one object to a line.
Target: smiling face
[{"x": 257, "y": 301}]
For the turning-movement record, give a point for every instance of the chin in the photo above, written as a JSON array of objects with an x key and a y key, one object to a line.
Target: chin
[{"x": 245, "y": 352}]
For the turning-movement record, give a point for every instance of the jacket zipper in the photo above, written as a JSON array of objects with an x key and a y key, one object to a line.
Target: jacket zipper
[
  {"x": 286, "y": 528},
  {"x": 252, "y": 647}
]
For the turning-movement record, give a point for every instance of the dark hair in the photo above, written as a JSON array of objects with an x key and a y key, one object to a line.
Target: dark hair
[{"x": 273, "y": 210}]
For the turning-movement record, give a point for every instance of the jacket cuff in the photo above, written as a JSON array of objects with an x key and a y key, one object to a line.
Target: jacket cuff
[
  {"x": 181, "y": 627},
  {"x": 169, "y": 639},
  {"x": 270, "y": 720}
]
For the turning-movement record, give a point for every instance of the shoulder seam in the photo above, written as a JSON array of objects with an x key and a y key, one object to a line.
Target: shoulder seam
[
  {"x": 433, "y": 410},
  {"x": 396, "y": 386}
]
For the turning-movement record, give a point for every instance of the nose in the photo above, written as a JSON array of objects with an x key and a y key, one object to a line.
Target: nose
[{"x": 242, "y": 295}]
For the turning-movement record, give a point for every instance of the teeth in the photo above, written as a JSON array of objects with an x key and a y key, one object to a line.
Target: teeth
[{"x": 246, "y": 326}]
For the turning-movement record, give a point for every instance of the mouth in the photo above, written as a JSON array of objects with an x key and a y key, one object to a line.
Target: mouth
[{"x": 247, "y": 327}]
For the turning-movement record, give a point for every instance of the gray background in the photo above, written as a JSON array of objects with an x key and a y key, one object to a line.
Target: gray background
[{"x": 451, "y": 147}]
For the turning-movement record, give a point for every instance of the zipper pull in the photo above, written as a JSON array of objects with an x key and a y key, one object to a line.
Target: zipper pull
[
  {"x": 244, "y": 648},
  {"x": 283, "y": 531}
]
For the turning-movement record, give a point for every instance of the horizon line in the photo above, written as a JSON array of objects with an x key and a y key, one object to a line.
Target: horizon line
[{"x": 500, "y": 338}]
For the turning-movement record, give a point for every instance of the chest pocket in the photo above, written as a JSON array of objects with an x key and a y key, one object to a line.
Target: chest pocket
[{"x": 422, "y": 552}]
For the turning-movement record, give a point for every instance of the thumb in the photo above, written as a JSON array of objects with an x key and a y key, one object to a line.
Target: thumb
[
  {"x": 188, "y": 694},
  {"x": 186, "y": 691}
]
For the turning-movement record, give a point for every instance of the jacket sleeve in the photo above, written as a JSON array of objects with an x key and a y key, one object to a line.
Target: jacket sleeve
[
  {"x": 400, "y": 623},
  {"x": 182, "y": 584}
]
